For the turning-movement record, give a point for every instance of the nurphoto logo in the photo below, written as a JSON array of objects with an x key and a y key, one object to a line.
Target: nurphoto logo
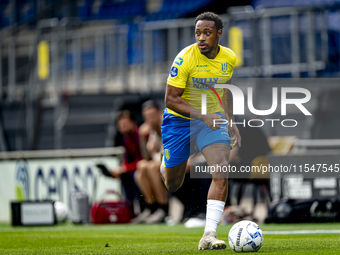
[{"x": 238, "y": 105}]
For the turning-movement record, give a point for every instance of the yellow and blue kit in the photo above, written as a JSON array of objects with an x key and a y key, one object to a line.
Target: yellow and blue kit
[{"x": 197, "y": 75}]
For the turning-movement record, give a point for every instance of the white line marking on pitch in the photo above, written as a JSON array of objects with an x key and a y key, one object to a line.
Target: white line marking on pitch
[{"x": 301, "y": 232}]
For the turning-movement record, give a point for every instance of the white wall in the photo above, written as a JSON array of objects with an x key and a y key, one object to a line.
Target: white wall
[{"x": 51, "y": 179}]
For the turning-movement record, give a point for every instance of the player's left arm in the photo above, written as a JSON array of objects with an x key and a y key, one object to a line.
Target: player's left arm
[{"x": 227, "y": 102}]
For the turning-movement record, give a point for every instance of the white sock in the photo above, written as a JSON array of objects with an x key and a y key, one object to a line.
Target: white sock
[{"x": 214, "y": 214}]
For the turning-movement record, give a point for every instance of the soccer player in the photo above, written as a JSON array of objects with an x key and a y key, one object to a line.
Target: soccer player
[{"x": 195, "y": 71}]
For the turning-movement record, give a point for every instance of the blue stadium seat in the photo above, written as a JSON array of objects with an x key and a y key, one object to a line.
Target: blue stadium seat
[
  {"x": 24, "y": 9},
  {"x": 84, "y": 9}
]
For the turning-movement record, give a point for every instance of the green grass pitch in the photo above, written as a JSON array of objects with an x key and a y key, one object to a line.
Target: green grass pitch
[{"x": 155, "y": 239}]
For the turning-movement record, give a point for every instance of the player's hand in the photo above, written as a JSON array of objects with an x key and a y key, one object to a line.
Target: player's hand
[
  {"x": 210, "y": 120},
  {"x": 234, "y": 134}
]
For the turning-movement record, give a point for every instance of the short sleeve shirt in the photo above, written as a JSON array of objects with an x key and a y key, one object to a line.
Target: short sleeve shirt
[{"x": 198, "y": 75}]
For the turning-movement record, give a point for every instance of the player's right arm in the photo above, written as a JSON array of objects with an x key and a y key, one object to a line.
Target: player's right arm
[{"x": 175, "y": 102}]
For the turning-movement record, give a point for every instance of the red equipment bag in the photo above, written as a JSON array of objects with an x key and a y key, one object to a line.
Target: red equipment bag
[{"x": 119, "y": 211}]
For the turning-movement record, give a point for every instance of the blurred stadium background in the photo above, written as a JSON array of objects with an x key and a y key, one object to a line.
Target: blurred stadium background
[{"x": 68, "y": 67}]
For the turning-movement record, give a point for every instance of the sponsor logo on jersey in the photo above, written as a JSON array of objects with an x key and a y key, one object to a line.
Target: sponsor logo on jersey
[
  {"x": 174, "y": 71},
  {"x": 167, "y": 154},
  {"x": 202, "y": 65},
  {"x": 179, "y": 61},
  {"x": 224, "y": 67},
  {"x": 199, "y": 83}
]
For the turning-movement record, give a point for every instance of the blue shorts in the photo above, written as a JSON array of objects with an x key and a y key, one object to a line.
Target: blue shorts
[{"x": 181, "y": 135}]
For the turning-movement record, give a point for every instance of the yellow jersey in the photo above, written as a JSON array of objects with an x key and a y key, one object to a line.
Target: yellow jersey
[{"x": 197, "y": 75}]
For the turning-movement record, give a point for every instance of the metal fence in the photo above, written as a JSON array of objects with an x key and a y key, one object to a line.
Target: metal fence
[
  {"x": 283, "y": 41},
  {"x": 79, "y": 60},
  {"x": 305, "y": 40}
]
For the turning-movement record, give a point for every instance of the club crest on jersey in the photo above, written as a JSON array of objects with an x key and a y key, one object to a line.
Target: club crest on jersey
[
  {"x": 179, "y": 61},
  {"x": 174, "y": 71},
  {"x": 224, "y": 67},
  {"x": 167, "y": 154}
]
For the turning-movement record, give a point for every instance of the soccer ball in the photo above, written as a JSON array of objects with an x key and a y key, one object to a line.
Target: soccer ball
[
  {"x": 245, "y": 236},
  {"x": 61, "y": 211}
]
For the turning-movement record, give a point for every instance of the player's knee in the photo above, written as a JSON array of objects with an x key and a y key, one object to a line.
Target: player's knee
[
  {"x": 219, "y": 159},
  {"x": 220, "y": 171},
  {"x": 223, "y": 162},
  {"x": 173, "y": 185}
]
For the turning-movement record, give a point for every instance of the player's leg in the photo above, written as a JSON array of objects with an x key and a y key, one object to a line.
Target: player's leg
[
  {"x": 218, "y": 155},
  {"x": 176, "y": 144},
  {"x": 215, "y": 155},
  {"x": 215, "y": 146},
  {"x": 173, "y": 177}
]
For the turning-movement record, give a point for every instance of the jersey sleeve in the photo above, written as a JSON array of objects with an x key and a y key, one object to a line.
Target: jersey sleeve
[{"x": 179, "y": 71}]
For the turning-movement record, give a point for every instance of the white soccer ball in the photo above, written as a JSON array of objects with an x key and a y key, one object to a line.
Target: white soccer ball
[
  {"x": 61, "y": 211},
  {"x": 245, "y": 236}
]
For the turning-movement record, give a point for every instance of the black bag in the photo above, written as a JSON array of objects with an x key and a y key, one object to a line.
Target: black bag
[{"x": 311, "y": 210}]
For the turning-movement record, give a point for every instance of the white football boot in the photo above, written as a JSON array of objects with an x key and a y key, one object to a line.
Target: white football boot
[{"x": 210, "y": 242}]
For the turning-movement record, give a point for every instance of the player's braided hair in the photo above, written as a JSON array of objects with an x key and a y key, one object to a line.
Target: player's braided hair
[{"x": 210, "y": 16}]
